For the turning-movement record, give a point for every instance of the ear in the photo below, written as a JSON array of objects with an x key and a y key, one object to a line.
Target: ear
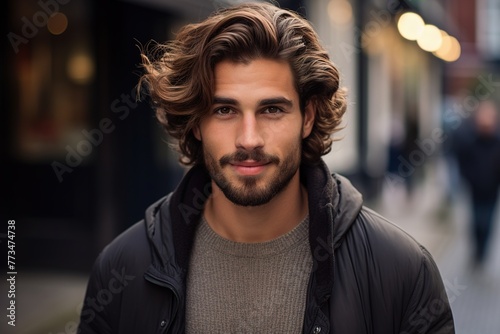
[
  {"x": 309, "y": 116},
  {"x": 197, "y": 132}
]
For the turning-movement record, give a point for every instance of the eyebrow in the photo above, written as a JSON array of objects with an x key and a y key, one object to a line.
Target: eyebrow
[
  {"x": 224, "y": 100},
  {"x": 264, "y": 102}
]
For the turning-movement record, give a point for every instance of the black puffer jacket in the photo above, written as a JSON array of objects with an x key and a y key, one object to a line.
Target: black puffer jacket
[{"x": 368, "y": 275}]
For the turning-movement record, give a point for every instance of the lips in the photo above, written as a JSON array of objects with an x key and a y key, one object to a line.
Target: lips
[
  {"x": 250, "y": 163},
  {"x": 249, "y": 167}
]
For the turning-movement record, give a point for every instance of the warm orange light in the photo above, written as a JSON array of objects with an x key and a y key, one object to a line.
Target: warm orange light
[
  {"x": 340, "y": 11},
  {"x": 57, "y": 23},
  {"x": 80, "y": 68},
  {"x": 450, "y": 49}
]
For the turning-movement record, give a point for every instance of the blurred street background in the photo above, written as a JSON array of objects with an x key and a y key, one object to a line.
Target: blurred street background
[{"x": 81, "y": 158}]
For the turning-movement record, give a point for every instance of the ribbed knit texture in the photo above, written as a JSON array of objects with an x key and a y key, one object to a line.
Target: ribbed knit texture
[{"x": 248, "y": 287}]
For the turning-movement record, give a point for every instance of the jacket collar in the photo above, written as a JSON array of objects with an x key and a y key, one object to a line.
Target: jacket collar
[{"x": 333, "y": 206}]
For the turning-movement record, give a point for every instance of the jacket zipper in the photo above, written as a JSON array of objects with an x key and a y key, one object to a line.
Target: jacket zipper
[{"x": 166, "y": 284}]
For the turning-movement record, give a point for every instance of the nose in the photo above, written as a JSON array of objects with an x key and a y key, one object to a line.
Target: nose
[{"x": 249, "y": 136}]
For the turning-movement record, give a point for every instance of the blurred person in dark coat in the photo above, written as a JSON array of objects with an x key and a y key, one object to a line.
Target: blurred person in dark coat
[{"x": 477, "y": 147}]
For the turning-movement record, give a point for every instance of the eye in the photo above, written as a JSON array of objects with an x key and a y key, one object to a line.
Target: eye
[
  {"x": 223, "y": 111},
  {"x": 272, "y": 110}
]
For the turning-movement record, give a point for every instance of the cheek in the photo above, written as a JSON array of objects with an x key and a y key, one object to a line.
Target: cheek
[
  {"x": 216, "y": 142},
  {"x": 287, "y": 140},
  {"x": 278, "y": 132}
]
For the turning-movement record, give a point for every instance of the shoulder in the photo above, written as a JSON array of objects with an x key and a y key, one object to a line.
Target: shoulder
[
  {"x": 129, "y": 253},
  {"x": 377, "y": 245},
  {"x": 383, "y": 235},
  {"x": 133, "y": 247},
  {"x": 387, "y": 274},
  {"x": 116, "y": 268}
]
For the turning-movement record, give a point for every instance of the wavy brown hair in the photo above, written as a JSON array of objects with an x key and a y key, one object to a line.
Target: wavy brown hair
[{"x": 180, "y": 74}]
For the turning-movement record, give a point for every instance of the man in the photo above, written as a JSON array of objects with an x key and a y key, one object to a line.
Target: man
[
  {"x": 477, "y": 147},
  {"x": 258, "y": 237}
]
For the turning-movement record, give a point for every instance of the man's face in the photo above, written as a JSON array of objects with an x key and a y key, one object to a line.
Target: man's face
[
  {"x": 252, "y": 135},
  {"x": 486, "y": 118}
]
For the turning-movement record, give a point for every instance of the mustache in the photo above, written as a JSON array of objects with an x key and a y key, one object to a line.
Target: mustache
[{"x": 243, "y": 155}]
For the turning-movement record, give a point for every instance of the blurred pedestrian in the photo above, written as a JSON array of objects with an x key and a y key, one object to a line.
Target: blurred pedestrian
[
  {"x": 259, "y": 237},
  {"x": 477, "y": 147}
]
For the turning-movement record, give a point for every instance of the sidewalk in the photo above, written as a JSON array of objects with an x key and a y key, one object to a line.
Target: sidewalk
[
  {"x": 476, "y": 306},
  {"x": 47, "y": 303},
  {"x": 474, "y": 293}
]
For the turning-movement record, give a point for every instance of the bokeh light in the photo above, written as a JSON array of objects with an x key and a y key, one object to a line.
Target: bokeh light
[
  {"x": 340, "y": 11},
  {"x": 450, "y": 49},
  {"x": 411, "y": 26},
  {"x": 80, "y": 68},
  {"x": 57, "y": 23},
  {"x": 430, "y": 39}
]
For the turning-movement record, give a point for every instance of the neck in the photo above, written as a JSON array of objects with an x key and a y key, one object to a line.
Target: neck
[{"x": 257, "y": 223}]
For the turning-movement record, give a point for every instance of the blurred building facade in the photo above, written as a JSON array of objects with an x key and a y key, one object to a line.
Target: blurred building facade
[
  {"x": 476, "y": 75},
  {"x": 82, "y": 158},
  {"x": 404, "y": 95},
  {"x": 394, "y": 90}
]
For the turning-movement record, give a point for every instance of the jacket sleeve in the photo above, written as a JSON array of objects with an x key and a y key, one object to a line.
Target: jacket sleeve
[
  {"x": 429, "y": 309},
  {"x": 94, "y": 317}
]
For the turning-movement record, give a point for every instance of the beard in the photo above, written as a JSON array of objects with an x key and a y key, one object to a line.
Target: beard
[{"x": 246, "y": 191}]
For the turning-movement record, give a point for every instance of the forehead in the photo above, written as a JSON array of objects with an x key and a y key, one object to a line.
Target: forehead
[{"x": 256, "y": 77}]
